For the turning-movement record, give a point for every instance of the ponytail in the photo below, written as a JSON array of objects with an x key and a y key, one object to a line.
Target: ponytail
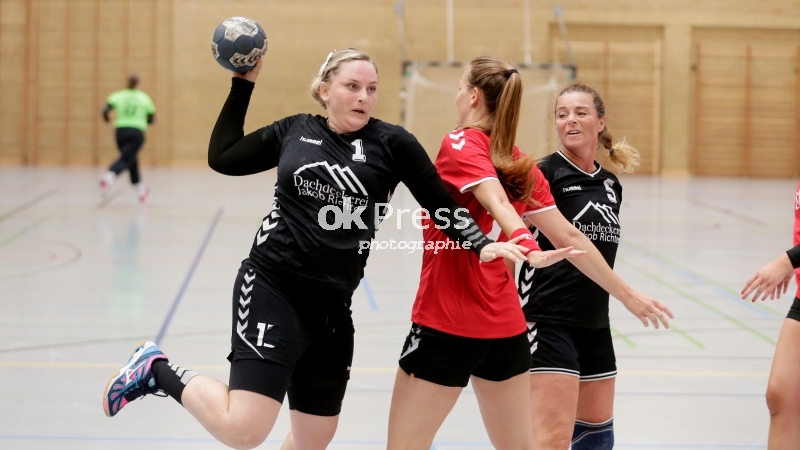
[{"x": 501, "y": 85}]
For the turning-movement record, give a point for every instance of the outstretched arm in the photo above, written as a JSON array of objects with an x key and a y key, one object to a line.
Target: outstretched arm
[
  {"x": 493, "y": 197},
  {"x": 561, "y": 233}
]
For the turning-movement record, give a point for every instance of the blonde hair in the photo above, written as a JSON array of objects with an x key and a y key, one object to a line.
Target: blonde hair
[
  {"x": 622, "y": 156},
  {"x": 331, "y": 66},
  {"x": 501, "y": 86}
]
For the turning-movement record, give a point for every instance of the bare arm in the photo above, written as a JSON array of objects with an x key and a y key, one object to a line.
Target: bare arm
[
  {"x": 561, "y": 233},
  {"x": 492, "y": 196}
]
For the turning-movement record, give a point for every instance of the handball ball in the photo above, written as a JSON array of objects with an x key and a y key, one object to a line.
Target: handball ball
[{"x": 237, "y": 44}]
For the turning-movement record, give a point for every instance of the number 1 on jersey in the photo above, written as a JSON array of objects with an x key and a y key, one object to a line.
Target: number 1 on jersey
[{"x": 359, "y": 154}]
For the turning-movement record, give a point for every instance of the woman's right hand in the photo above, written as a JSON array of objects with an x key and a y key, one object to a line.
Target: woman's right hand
[{"x": 252, "y": 74}]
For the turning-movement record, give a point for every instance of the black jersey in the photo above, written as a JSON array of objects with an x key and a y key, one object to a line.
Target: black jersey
[
  {"x": 561, "y": 293},
  {"x": 329, "y": 186}
]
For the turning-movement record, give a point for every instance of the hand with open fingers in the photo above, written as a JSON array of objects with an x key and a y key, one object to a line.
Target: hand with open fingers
[
  {"x": 770, "y": 281},
  {"x": 509, "y": 250},
  {"x": 648, "y": 309},
  {"x": 539, "y": 258},
  {"x": 252, "y": 74}
]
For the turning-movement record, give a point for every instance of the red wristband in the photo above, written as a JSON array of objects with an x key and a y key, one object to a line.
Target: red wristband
[{"x": 528, "y": 241}]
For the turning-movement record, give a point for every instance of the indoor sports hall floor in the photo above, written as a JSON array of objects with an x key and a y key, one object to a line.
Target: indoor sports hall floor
[{"x": 82, "y": 282}]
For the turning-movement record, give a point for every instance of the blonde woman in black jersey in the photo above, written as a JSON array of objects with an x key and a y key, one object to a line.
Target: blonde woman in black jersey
[
  {"x": 573, "y": 366},
  {"x": 292, "y": 330}
]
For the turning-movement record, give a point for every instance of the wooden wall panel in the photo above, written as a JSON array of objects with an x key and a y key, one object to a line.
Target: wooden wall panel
[
  {"x": 746, "y": 104},
  {"x": 13, "y": 54},
  {"x": 59, "y": 59}
]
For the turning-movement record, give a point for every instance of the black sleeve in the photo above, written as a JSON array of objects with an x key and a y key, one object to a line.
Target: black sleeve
[
  {"x": 419, "y": 174},
  {"x": 794, "y": 256},
  {"x": 107, "y": 110},
  {"x": 230, "y": 152}
]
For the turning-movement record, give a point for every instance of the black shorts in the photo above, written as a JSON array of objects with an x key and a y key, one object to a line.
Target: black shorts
[
  {"x": 581, "y": 352},
  {"x": 289, "y": 337},
  {"x": 449, "y": 360},
  {"x": 794, "y": 310}
]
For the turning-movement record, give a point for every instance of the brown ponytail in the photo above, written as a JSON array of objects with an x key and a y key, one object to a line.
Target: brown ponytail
[{"x": 501, "y": 86}]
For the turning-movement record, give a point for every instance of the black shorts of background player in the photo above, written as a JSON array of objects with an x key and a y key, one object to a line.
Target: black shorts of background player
[
  {"x": 572, "y": 356},
  {"x": 291, "y": 328},
  {"x": 783, "y": 390}
]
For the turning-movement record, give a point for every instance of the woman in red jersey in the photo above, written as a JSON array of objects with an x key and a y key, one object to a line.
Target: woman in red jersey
[
  {"x": 467, "y": 320},
  {"x": 783, "y": 391}
]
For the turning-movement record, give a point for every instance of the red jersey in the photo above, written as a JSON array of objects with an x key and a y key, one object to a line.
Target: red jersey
[
  {"x": 459, "y": 294},
  {"x": 796, "y": 239}
]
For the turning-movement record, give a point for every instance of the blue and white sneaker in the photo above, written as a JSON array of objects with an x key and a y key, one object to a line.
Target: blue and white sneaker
[{"x": 134, "y": 380}]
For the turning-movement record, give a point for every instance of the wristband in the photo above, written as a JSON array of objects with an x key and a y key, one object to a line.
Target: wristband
[
  {"x": 794, "y": 256},
  {"x": 528, "y": 241}
]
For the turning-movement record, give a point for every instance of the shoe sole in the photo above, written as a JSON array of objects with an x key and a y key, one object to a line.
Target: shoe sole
[{"x": 117, "y": 375}]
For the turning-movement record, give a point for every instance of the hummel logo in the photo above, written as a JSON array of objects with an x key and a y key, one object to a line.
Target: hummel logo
[
  {"x": 459, "y": 137},
  {"x": 310, "y": 141},
  {"x": 266, "y": 225},
  {"x": 414, "y": 344},
  {"x": 573, "y": 188}
]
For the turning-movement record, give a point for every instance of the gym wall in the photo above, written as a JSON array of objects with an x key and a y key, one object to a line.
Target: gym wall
[{"x": 699, "y": 86}]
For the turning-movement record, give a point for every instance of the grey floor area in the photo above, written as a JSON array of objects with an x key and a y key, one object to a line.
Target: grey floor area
[{"x": 83, "y": 281}]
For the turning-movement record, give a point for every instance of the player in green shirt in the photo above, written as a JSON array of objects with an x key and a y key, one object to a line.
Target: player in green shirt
[{"x": 134, "y": 110}]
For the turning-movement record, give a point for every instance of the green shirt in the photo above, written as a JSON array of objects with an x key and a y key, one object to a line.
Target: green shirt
[{"x": 132, "y": 107}]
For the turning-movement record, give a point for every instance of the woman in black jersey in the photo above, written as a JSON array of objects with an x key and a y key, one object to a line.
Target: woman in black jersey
[
  {"x": 292, "y": 331},
  {"x": 572, "y": 356},
  {"x": 783, "y": 388}
]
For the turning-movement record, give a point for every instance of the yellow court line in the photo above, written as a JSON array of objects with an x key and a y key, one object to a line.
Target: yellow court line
[{"x": 223, "y": 367}]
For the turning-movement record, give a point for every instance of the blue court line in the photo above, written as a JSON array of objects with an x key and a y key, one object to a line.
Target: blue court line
[
  {"x": 370, "y": 296},
  {"x": 762, "y": 311},
  {"x": 186, "y": 280}
]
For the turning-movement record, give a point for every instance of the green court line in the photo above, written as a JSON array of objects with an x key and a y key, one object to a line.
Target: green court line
[
  {"x": 686, "y": 335},
  {"x": 28, "y": 204},
  {"x": 21, "y": 232},
  {"x": 708, "y": 280},
  {"x": 696, "y": 300},
  {"x": 625, "y": 338}
]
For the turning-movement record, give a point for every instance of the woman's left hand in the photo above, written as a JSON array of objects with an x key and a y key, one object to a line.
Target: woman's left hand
[{"x": 770, "y": 280}]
